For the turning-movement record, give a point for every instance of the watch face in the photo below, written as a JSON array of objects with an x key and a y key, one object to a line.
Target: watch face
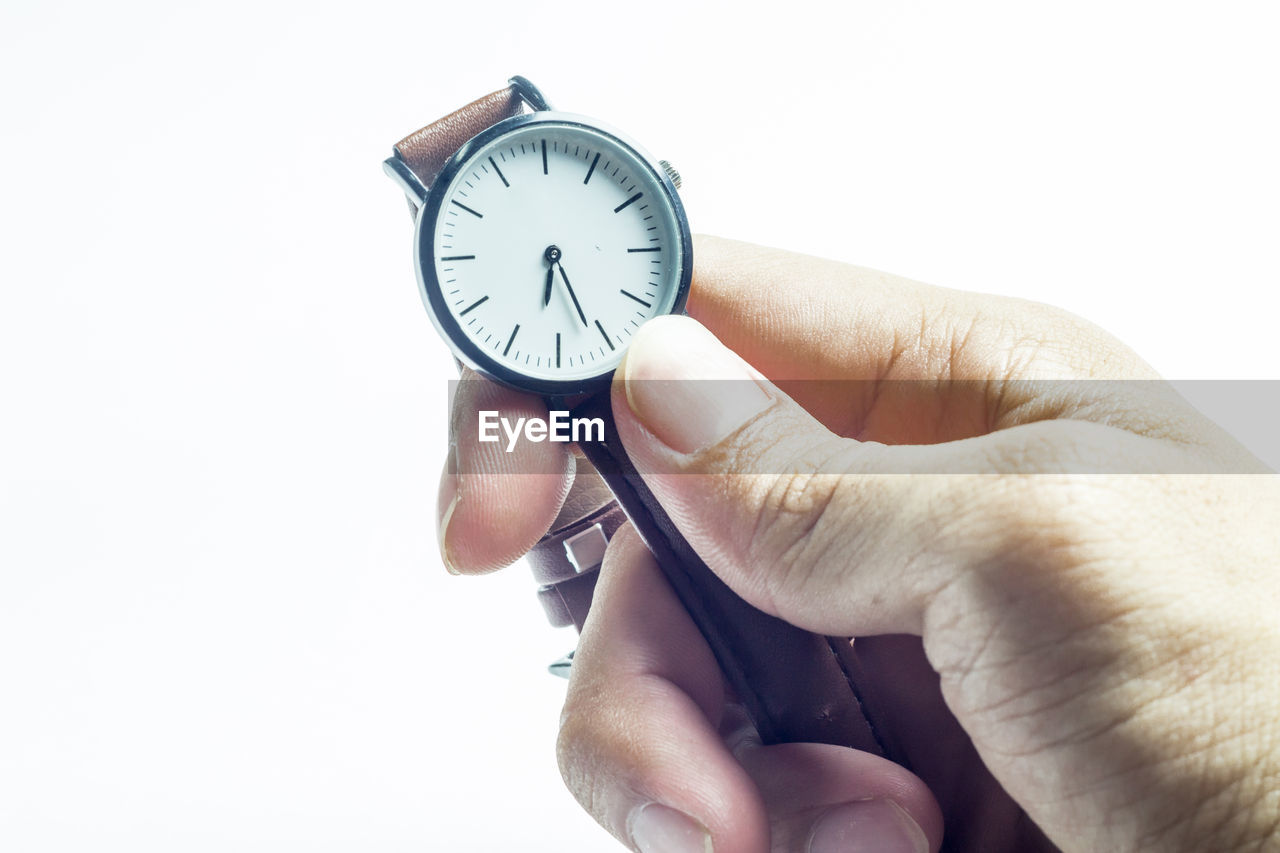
[{"x": 543, "y": 246}]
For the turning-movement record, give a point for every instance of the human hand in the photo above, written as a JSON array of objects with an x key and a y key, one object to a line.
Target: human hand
[{"x": 1112, "y": 664}]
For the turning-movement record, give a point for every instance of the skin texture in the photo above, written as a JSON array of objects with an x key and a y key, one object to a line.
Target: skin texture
[{"x": 1068, "y": 610}]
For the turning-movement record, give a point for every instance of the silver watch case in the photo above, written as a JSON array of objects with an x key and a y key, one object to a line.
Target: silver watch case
[{"x": 432, "y": 293}]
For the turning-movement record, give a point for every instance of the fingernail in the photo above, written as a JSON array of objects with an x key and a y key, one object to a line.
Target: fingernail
[
  {"x": 867, "y": 826},
  {"x": 658, "y": 829},
  {"x": 688, "y": 388},
  {"x": 446, "y": 503}
]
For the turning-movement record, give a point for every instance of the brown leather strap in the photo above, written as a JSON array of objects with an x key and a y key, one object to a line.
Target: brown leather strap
[
  {"x": 425, "y": 151},
  {"x": 567, "y": 562},
  {"x": 568, "y": 602}
]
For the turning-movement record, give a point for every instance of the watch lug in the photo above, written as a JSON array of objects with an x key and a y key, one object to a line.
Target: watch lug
[
  {"x": 398, "y": 170},
  {"x": 529, "y": 93}
]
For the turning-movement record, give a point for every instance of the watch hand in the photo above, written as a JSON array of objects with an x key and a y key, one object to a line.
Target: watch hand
[
  {"x": 572, "y": 295},
  {"x": 551, "y": 255}
]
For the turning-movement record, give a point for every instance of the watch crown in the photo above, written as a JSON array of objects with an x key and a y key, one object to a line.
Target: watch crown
[{"x": 671, "y": 172}]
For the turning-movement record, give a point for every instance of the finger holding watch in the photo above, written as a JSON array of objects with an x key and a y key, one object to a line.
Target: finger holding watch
[
  {"x": 1062, "y": 600},
  {"x": 652, "y": 751},
  {"x": 1191, "y": 439}
]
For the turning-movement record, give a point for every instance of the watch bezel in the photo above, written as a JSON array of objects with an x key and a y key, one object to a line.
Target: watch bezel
[{"x": 432, "y": 293}]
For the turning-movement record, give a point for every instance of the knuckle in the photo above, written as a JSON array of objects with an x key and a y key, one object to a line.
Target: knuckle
[
  {"x": 792, "y": 527},
  {"x": 1053, "y": 342},
  {"x": 1032, "y": 508},
  {"x": 1049, "y": 532},
  {"x": 578, "y": 755},
  {"x": 605, "y": 756},
  {"x": 584, "y": 718}
]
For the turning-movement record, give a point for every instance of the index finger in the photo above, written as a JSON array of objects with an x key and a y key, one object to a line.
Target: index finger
[{"x": 884, "y": 357}]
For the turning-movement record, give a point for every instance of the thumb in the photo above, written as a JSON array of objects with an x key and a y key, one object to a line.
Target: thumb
[{"x": 819, "y": 530}]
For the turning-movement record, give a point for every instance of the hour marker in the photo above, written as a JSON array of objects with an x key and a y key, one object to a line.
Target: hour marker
[
  {"x": 459, "y": 258},
  {"x": 557, "y": 349},
  {"x": 499, "y": 171},
  {"x": 650, "y": 249},
  {"x": 467, "y": 209},
  {"x": 593, "y": 167},
  {"x": 631, "y": 200},
  {"x": 473, "y": 305},
  {"x": 510, "y": 339},
  {"x": 544, "y": 156},
  {"x": 606, "y": 335},
  {"x": 638, "y": 299}
]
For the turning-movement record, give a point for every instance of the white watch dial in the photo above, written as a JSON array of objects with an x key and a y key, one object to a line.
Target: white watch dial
[{"x": 552, "y": 244}]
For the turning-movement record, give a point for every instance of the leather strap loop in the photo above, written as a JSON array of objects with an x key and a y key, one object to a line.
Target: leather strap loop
[
  {"x": 568, "y": 602},
  {"x": 548, "y": 559}
]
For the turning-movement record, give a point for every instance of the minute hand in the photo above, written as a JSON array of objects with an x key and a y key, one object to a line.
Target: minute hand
[{"x": 573, "y": 296}]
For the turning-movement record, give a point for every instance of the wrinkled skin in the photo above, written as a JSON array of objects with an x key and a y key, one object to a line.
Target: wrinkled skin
[{"x": 1070, "y": 654}]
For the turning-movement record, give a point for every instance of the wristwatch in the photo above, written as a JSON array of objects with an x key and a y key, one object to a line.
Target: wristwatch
[{"x": 543, "y": 241}]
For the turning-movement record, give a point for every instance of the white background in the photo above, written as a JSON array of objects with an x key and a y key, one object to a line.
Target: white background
[{"x": 223, "y": 621}]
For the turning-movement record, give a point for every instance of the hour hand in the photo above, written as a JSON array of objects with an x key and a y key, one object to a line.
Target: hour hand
[{"x": 550, "y": 255}]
